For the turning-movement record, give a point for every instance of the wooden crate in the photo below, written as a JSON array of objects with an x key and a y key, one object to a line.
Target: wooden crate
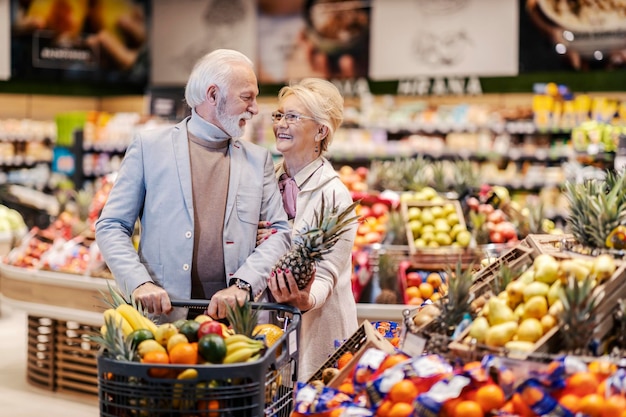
[
  {"x": 519, "y": 257},
  {"x": 61, "y": 357},
  {"x": 364, "y": 338},
  {"x": 548, "y": 243}
]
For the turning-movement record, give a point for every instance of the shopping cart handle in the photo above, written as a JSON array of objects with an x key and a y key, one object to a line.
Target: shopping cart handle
[{"x": 201, "y": 304}]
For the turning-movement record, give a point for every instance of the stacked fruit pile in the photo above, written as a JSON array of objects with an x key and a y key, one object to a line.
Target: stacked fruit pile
[
  {"x": 130, "y": 336},
  {"x": 396, "y": 385}
]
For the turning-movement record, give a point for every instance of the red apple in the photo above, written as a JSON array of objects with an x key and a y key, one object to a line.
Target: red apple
[
  {"x": 362, "y": 172},
  {"x": 496, "y": 237},
  {"x": 496, "y": 216},
  {"x": 485, "y": 208},
  {"x": 379, "y": 209},
  {"x": 413, "y": 279},
  {"x": 209, "y": 327},
  {"x": 473, "y": 203}
]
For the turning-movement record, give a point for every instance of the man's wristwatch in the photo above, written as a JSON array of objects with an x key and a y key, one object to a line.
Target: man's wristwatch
[{"x": 241, "y": 284}]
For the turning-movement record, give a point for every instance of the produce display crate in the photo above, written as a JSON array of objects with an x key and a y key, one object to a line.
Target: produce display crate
[
  {"x": 364, "y": 338},
  {"x": 548, "y": 243},
  {"x": 260, "y": 388},
  {"x": 517, "y": 257},
  {"x": 61, "y": 357}
]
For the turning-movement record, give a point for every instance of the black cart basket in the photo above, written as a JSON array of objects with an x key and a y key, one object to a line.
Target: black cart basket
[{"x": 248, "y": 389}]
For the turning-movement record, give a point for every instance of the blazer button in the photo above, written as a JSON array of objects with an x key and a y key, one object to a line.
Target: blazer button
[
  {"x": 188, "y": 235},
  {"x": 186, "y": 267}
]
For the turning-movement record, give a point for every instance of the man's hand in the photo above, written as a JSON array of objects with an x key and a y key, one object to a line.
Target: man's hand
[
  {"x": 153, "y": 298},
  {"x": 283, "y": 287},
  {"x": 227, "y": 297}
]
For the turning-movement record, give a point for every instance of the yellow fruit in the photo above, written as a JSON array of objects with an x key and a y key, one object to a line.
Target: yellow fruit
[
  {"x": 500, "y": 334},
  {"x": 536, "y": 307},
  {"x": 271, "y": 332},
  {"x": 529, "y": 330},
  {"x": 176, "y": 339},
  {"x": 149, "y": 345},
  {"x": 547, "y": 322}
]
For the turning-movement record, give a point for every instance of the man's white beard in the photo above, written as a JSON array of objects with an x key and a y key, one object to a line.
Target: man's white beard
[{"x": 230, "y": 124}]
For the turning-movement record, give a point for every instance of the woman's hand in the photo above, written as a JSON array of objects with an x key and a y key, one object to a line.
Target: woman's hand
[
  {"x": 284, "y": 289},
  {"x": 263, "y": 232}
]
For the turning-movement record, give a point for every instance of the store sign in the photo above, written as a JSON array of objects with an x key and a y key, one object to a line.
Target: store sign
[
  {"x": 443, "y": 38},
  {"x": 5, "y": 40},
  {"x": 452, "y": 86}
]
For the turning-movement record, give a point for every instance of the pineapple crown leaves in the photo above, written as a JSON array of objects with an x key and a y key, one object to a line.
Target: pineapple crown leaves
[
  {"x": 580, "y": 304},
  {"x": 115, "y": 298},
  {"x": 458, "y": 299},
  {"x": 243, "y": 318},
  {"x": 328, "y": 225},
  {"x": 114, "y": 343}
]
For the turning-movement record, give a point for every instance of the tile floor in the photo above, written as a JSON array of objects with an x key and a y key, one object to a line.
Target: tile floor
[{"x": 17, "y": 397}]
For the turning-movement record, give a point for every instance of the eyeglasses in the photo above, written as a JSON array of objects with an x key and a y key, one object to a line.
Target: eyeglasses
[{"x": 291, "y": 118}]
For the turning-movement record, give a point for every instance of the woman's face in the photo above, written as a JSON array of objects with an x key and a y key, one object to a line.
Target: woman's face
[{"x": 299, "y": 137}]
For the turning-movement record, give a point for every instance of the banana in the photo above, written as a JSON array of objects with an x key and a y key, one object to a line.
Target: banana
[
  {"x": 189, "y": 373},
  {"x": 135, "y": 318},
  {"x": 132, "y": 315},
  {"x": 239, "y": 338},
  {"x": 164, "y": 332},
  {"x": 241, "y": 355},
  {"x": 119, "y": 319},
  {"x": 149, "y": 345},
  {"x": 234, "y": 347}
]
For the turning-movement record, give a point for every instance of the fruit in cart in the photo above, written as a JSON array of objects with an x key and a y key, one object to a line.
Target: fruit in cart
[
  {"x": 184, "y": 353},
  {"x": 157, "y": 357},
  {"x": 210, "y": 327},
  {"x": 136, "y": 319},
  {"x": 139, "y": 335},
  {"x": 271, "y": 332},
  {"x": 243, "y": 319},
  {"x": 149, "y": 345},
  {"x": 241, "y": 351},
  {"x": 115, "y": 343},
  {"x": 176, "y": 339},
  {"x": 212, "y": 348},
  {"x": 190, "y": 329},
  {"x": 201, "y": 318},
  {"x": 164, "y": 332},
  {"x": 119, "y": 319},
  {"x": 316, "y": 239}
]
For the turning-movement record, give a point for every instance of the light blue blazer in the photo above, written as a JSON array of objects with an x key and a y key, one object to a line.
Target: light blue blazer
[{"x": 154, "y": 185}]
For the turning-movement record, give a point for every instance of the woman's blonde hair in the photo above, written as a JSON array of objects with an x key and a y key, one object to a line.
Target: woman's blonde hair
[{"x": 322, "y": 100}]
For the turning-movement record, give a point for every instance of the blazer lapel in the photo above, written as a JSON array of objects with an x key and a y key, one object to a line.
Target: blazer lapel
[
  {"x": 236, "y": 165},
  {"x": 181, "y": 152}
]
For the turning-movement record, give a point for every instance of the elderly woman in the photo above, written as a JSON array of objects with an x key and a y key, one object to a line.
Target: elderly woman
[{"x": 308, "y": 115}]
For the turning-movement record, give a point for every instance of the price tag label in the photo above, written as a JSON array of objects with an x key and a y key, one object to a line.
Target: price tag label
[{"x": 413, "y": 345}]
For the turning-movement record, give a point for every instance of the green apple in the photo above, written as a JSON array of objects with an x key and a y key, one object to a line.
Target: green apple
[
  {"x": 416, "y": 227},
  {"x": 420, "y": 243},
  {"x": 437, "y": 212},
  {"x": 455, "y": 229},
  {"x": 413, "y": 213},
  {"x": 452, "y": 219},
  {"x": 442, "y": 226},
  {"x": 449, "y": 208},
  {"x": 427, "y": 216},
  {"x": 443, "y": 239},
  {"x": 429, "y": 193}
]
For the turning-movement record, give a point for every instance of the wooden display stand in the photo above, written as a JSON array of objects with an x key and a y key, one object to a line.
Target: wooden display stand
[{"x": 63, "y": 311}]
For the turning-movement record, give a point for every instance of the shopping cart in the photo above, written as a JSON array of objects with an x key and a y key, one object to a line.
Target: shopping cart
[{"x": 248, "y": 389}]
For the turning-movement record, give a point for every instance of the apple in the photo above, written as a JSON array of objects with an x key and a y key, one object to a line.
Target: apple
[
  {"x": 362, "y": 172},
  {"x": 364, "y": 211},
  {"x": 485, "y": 208},
  {"x": 473, "y": 203},
  {"x": 413, "y": 279},
  {"x": 496, "y": 216},
  {"x": 210, "y": 327},
  {"x": 379, "y": 209},
  {"x": 496, "y": 237},
  {"x": 463, "y": 238}
]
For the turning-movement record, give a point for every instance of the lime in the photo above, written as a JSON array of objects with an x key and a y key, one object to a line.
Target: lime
[
  {"x": 139, "y": 335},
  {"x": 212, "y": 348},
  {"x": 178, "y": 323},
  {"x": 190, "y": 329}
]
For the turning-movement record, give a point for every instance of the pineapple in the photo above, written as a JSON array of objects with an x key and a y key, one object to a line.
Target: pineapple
[
  {"x": 456, "y": 304},
  {"x": 243, "y": 318},
  {"x": 502, "y": 278},
  {"x": 597, "y": 207},
  {"x": 115, "y": 344},
  {"x": 316, "y": 239},
  {"x": 466, "y": 177},
  {"x": 580, "y": 303}
]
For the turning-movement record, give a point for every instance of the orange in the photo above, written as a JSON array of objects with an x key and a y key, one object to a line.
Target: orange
[
  {"x": 400, "y": 410},
  {"x": 507, "y": 408},
  {"x": 392, "y": 360},
  {"x": 468, "y": 409},
  {"x": 592, "y": 405},
  {"x": 571, "y": 402},
  {"x": 347, "y": 388},
  {"x": 602, "y": 388},
  {"x": 426, "y": 289},
  {"x": 384, "y": 408},
  {"x": 614, "y": 406},
  {"x": 434, "y": 279},
  {"x": 435, "y": 297},
  {"x": 403, "y": 391},
  {"x": 602, "y": 368},
  {"x": 184, "y": 353},
  {"x": 448, "y": 407},
  {"x": 412, "y": 292},
  {"x": 159, "y": 357},
  {"x": 521, "y": 408},
  {"x": 415, "y": 301},
  {"x": 582, "y": 383},
  {"x": 490, "y": 397},
  {"x": 344, "y": 359},
  {"x": 210, "y": 405}
]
